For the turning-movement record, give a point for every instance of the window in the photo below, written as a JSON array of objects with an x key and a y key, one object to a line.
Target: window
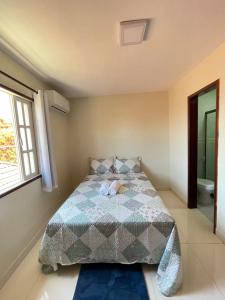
[{"x": 18, "y": 157}]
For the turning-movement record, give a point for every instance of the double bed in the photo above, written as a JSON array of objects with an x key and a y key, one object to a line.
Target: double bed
[{"x": 134, "y": 226}]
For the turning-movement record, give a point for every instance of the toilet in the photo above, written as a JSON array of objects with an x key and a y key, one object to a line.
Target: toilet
[{"x": 205, "y": 191}]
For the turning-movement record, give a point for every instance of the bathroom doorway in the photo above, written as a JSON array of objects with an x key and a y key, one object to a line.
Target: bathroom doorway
[{"x": 203, "y": 107}]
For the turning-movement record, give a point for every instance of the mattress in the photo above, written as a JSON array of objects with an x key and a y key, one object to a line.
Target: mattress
[{"x": 133, "y": 226}]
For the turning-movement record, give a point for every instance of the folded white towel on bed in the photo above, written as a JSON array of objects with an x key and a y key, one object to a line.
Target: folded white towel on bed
[
  {"x": 114, "y": 187},
  {"x": 104, "y": 189}
]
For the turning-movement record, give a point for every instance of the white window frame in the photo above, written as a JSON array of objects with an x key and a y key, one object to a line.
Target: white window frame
[{"x": 25, "y": 127}]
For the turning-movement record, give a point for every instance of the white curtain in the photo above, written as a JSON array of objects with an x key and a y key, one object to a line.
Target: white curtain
[{"x": 44, "y": 141}]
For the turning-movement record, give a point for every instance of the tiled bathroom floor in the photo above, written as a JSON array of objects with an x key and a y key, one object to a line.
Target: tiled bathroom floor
[{"x": 207, "y": 210}]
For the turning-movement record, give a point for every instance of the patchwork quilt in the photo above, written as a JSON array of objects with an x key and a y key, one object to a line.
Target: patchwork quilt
[{"x": 133, "y": 226}]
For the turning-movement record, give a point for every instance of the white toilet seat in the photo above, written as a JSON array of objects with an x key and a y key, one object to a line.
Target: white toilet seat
[{"x": 205, "y": 184}]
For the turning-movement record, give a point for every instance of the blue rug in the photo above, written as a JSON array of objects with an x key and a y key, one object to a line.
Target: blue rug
[{"x": 111, "y": 282}]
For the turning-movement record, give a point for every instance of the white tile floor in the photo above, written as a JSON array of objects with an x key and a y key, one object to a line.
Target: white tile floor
[{"x": 203, "y": 263}]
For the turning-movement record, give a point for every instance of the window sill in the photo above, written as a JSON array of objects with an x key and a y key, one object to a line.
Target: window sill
[{"x": 17, "y": 187}]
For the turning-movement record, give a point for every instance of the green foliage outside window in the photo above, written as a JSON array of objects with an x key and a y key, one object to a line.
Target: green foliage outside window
[{"x": 7, "y": 143}]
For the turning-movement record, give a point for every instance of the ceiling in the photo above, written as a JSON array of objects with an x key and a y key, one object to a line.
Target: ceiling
[{"x": 73, "y": 44}]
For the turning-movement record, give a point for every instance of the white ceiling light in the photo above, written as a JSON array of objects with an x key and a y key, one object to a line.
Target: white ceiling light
[{"x": 133, "y": 32}]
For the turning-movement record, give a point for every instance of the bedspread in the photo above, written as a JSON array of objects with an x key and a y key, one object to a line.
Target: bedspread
[{"x": 133, "y": 226}]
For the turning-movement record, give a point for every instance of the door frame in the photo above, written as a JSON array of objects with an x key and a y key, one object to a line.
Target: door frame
[{"x": 193, "y": 147}]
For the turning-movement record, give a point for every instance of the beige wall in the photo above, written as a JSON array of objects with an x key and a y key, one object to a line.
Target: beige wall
[
  {"x": 24, "y": 212},
  {"x": 125, "y": 125},
  {"x": 208, "y": 71}
]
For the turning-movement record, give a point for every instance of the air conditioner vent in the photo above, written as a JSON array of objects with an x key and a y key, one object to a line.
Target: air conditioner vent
[{"x": 57, "y": 101}]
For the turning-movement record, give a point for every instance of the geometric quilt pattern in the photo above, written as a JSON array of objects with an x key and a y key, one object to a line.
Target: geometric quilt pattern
[
  {"x": 132, "y": 226},
  {"x": 101, "y": 166},
  {"x": 123, "y": 166}
]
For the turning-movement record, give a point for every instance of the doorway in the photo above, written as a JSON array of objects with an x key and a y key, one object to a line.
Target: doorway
[{"x": 203, "y": 120}]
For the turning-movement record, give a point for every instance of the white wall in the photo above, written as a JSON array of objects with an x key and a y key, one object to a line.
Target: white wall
[
  {"x": 123, "y": 125},
  {"x": 208, "y": 71},
  {"x": 24, "y": 212}
]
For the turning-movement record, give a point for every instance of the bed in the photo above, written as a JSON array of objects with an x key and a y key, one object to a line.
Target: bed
[{"x": 132, "y": 227}]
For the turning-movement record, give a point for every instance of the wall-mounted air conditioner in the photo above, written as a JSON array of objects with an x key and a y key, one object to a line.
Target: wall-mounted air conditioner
[{"x": 57, "y": 101}]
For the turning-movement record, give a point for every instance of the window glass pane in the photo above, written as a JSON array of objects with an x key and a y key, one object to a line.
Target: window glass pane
[
  {"x": 29, "y": 139},
  {"x": 32, "y": 164},
  {"x": 20, "y": 112},
  {"x": 23, "y": 139},
  {"x": 26, "y": 164},
  {"x": 10, "y": 171},
  {"x": 26, "y": 114}
]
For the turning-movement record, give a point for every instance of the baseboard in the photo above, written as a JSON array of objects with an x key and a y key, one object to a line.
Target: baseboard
[
  {"x": 162, "y": 188},
  {"x": 38, "y": 233},
  {"x": 179, "y": 196},
  {"x": 221, "y": 234}
]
